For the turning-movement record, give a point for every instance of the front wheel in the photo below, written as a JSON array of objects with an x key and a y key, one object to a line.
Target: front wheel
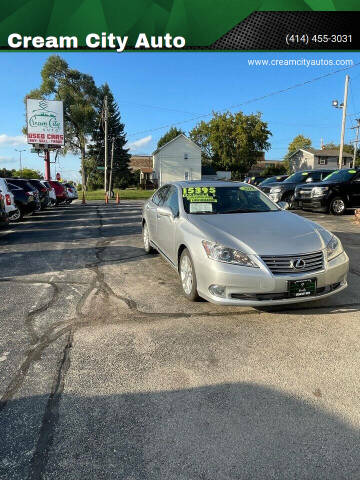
[
  {"x": 146, "y": 238},
  {"x": 188, "y": 276},
  {"x": 337, "y": 206}
]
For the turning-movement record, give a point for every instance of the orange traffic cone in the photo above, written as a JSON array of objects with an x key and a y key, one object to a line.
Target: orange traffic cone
[
  {"x": 106, "y": 198},
  {"x": 83, "y": 202},
  {"x": 117, "y": 198}
]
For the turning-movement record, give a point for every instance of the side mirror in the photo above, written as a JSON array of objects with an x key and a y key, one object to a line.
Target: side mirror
[
  {"x": 283, "y": 205},
  {"x": 164, "y": 211}
]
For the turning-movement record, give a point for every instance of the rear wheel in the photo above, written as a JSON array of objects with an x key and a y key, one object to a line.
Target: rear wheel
[
  {"x": 188, "y": 276},
  {"x": 337, "y": 206},
  {"x": 146, "y": 238}
]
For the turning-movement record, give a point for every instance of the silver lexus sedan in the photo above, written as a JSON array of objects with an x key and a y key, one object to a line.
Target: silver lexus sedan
[{"x": 232, "y": 245}]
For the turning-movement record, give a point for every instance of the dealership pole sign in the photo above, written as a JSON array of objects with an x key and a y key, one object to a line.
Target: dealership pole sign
[{"x": 45, "y": 123}]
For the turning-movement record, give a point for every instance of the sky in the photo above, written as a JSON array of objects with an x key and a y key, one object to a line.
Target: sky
[{"x": 157, "y": 90}]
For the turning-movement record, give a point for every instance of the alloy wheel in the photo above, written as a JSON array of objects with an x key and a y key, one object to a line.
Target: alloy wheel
[
  {"x": 338, "y": 206},
  {"x": 146, "y": 237},
  {"x": 186, "y": 274}
]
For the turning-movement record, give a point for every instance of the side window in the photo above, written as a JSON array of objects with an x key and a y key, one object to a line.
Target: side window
[
  {"x": 172, "y": 201},
  {"x": 315, "y": 177},
  {"x": 160, "y": 195}
]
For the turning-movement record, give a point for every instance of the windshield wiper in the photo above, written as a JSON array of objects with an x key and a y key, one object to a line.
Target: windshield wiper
[{"x": 242, "y": 210}]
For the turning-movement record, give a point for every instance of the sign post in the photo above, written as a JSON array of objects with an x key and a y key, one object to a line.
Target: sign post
[{"x": 45, "y": 127}]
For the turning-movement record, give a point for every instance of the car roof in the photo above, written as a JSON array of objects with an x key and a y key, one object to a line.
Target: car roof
[{"x": 205, "y": 183}]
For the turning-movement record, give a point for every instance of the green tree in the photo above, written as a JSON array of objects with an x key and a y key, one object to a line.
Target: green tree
[
  {"x": 169, "y": 135},
  {"x": 27, "y": 173},
  {"x": 121, "y": 175},
  {"x": 232, "y": 141},
  {"x": 273, "y": 170},
  {"x": 5, "y": 173},
  {"x": 78, "y": 92}
]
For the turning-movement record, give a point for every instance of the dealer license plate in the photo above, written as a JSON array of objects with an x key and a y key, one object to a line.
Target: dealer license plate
[{"x": 302, "y": 288}]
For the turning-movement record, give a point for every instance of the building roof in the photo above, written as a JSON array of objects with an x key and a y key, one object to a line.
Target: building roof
[
  {"x": 140, "y": 161},
  {"x": 173, "y": 140},
  {"x": 326, "y": 152}
]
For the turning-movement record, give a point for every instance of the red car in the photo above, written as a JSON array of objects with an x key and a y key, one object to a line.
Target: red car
[{"x": 60, "y": 191}]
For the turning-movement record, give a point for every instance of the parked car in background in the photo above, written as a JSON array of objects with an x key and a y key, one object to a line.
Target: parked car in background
[
  {"x": 4, "y": 218},
  {"x": 33, "y": 204},
  {"x": 24, "y": 197},
  {"x": 71, "y": 191},
  {"x": 337, "y": 192},
  {"x": 43, "y": 192},
  {"x": 255, "y": 180},
  {"x": 285, "y": 191},
  {"x": 275, "y": 179},
  {"x": 9, "y": 201},
  {"x": 51, "y": 191},
  {"x": 60, "y": 191}
]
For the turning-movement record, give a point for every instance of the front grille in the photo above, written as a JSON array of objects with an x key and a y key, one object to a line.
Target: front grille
[
  {"x": 281, "y": 264},
  {"x": 304, "y": 193}
]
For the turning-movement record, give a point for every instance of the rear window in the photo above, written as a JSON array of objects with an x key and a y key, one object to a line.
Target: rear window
[{"x": 22, "y": 184}]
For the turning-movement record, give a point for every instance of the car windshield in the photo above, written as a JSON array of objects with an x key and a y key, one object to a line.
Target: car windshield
[
  {"x": 298, "y": 177},
  {"x": 340, "y": 175},
  {"x": 271, "y": 180},
  {"x": 223, "y": 200}
]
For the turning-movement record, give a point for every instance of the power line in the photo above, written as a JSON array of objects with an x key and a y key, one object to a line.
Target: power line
[{"x": 252, "y": 100}]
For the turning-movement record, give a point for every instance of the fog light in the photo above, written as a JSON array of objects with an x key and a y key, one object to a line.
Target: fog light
[{"x": 217, "y": 290}]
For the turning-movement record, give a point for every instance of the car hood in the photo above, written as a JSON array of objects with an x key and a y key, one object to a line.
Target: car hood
[{"x": 263, "y": 233}]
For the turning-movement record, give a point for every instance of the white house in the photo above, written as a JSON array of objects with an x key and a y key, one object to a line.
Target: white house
[
  {"x": 179, "y": 159},
  {"x": 312, "y": 159}
]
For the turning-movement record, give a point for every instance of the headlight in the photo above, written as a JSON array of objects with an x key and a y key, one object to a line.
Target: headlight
[
  {"x": 333, "y": 248},
  {"x": 275, "y": 190},
  {"x": 319, "y": 191},
  {"x": 220, "y": 253}
]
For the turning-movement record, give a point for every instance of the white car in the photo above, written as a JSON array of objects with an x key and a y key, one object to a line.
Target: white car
[{"x": 9, "y": 201}]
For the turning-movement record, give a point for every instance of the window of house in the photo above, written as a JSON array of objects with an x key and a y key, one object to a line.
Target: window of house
[
  {"x": 322, "y": 161},
  {"x": 344, "y": 161},
  {"x": 186, "y": 156},
  {"x": 186, "y": 175}
]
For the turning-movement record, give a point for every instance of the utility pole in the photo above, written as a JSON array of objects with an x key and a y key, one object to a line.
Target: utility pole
[
  {"x": 343, "y": 122},
  {"x": 356, "y": 141},
  {"x": 16, "y": 150},
  {"x": 111, "y": 166},
  {"x": 106, "y": 140}
]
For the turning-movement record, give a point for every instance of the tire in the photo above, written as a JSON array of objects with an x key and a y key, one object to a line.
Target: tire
[
  {"x": 337, "y": 206},
  {"x": 146, "y": 239},
  {"x": 289, "y": 198},
  {"x": 188, "y": 276}
]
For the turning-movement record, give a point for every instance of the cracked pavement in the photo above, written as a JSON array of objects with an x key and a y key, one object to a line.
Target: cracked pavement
[{"x": 107, "y": 372}]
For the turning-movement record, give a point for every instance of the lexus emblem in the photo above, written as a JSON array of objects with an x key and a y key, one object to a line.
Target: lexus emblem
[{"x": 298, "y": 264}]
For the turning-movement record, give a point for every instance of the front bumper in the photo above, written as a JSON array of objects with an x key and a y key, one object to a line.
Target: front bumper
[
  {"x": 316, "y": 204},
  {"x": 259, "y": 287}
]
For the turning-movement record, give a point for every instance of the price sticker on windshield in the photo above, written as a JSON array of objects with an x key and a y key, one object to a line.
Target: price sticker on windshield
[
  {"x": 200, "y": 194},
  {"x": 248, "y": 188},
  {"x": 351, "y": 171}
]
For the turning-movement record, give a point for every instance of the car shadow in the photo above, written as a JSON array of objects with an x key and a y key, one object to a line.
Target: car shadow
[{"x": 223, "y": 431}]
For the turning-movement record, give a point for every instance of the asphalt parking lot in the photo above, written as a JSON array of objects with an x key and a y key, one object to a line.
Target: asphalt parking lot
[{"x": 107, "y": 372}]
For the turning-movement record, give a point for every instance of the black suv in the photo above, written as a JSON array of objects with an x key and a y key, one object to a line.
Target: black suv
[
  {"x": 26, "y": 196},
  {"x": 337, "y": 192},
  {"x": 43, "y": 192},
  {"x": 284, "y": 191}
]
